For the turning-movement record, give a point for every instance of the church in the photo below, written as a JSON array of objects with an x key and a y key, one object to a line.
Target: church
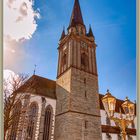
[{"x": 69, "y": 108}]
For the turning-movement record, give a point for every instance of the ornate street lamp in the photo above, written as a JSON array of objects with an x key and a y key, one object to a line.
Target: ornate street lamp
[{"x": 109, "y": 103}]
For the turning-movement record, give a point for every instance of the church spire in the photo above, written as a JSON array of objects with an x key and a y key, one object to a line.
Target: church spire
[
  {"x": 63, "y": 33},
  {"x": 76, "y": 17},
  {"x": 90, "y": 33}
]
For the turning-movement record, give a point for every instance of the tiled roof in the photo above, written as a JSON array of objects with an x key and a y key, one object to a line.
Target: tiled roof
[{"x": 40, "y": 86}]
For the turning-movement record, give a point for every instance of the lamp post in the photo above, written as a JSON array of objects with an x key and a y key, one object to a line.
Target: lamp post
[{"x": 109, "y": 103}]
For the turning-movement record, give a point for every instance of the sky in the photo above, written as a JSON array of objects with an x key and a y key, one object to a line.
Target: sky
[{"x": 32, "y": 30}]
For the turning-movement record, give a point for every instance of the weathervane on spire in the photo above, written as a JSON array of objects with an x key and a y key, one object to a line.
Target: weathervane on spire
[{"x": 34, "y": 69}]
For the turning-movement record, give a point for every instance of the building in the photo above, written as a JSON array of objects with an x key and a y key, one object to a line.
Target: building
[{"x": 69, "y": 108}]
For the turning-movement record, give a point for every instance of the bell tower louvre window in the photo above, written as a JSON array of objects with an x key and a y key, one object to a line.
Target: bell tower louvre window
[
  {"x": 64, "y": 61},
  {"x": 84, "y": 61}
]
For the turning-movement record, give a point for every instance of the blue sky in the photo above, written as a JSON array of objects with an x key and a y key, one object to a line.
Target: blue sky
[{"x": 114, "y": 28}]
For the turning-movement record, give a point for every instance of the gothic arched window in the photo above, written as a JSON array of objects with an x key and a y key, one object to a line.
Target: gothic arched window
[
  {"x": 47, "y": 123},
  {"x": 84, "y": 61},
  {"x": 15, "y": 121},
  {"x": 32, "y": 116}
]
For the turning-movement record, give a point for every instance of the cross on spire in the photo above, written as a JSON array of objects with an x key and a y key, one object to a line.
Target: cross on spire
[{"x": 34, "y": 69}]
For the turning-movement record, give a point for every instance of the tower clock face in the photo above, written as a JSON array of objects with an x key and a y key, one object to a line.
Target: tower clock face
[{"x": 83, "y": 44}]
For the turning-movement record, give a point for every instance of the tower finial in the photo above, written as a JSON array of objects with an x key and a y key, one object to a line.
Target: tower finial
[
  {"x": 63, "y": 33},
  {"x": 90, "y": 33},
  {"x": 76, "y": 17},
  {"x": 34, "y": 69}
]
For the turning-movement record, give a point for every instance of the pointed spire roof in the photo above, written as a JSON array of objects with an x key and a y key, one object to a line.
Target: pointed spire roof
[
  {"x": 76, "y": 17},
  {"x": 63, "y": 33},
  {"x": 90, "y": 33}
]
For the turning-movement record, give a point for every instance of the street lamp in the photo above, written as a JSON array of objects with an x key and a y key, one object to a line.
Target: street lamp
[{"x": 109, "y": 103}]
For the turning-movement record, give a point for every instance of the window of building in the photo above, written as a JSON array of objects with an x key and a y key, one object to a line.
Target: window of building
[
  {"x": 32, "y": 118},
  {"x": 108, "y": 136},
  {"x": 108, "y": 121},
  {"x": 133, "y": 124},
  {"x": 119, "y": 137},
  {"x": 47, "y": 123},
  {"x": 86, "y": 94},
  {"x": 84, "y": 80},
  {"x": 15, "y": 121},
  {"x": 86, "y": 124},
  {"x": 64, "y": 61},
  {"x": 84, "y": 61},
  {"x": 130, "y": 137}
]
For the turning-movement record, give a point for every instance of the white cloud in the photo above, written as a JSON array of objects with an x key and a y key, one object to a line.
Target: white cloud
[
  {"x": 19, "y": 19},
  {"x": 19, "y": 25},
  {"x": 7, "y": 74},
  {"x": 14, "y": 54}
]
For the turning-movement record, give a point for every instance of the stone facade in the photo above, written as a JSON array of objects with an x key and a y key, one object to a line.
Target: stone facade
[{"x": 77, "y": 106}]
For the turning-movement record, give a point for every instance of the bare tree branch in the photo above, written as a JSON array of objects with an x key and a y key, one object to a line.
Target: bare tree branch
[{"x": 12, "y": 98}]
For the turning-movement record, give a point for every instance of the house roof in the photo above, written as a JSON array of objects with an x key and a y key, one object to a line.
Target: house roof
[{"x": 40, "y": 86}]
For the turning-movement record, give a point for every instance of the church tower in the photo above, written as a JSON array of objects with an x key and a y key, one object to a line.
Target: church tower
[{"x": 77, "y": 107}]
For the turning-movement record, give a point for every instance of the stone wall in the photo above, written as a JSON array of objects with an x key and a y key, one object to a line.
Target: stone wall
[{"x": 77, "y": 114}]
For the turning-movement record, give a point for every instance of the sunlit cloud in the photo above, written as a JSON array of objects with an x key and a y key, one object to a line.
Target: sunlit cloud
[
  {"x": 19, "y": 25},
  {"x": 19, "y": 19}
]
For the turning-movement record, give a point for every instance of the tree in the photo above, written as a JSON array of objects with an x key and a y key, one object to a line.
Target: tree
[{"x": 12, "y": 99}]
